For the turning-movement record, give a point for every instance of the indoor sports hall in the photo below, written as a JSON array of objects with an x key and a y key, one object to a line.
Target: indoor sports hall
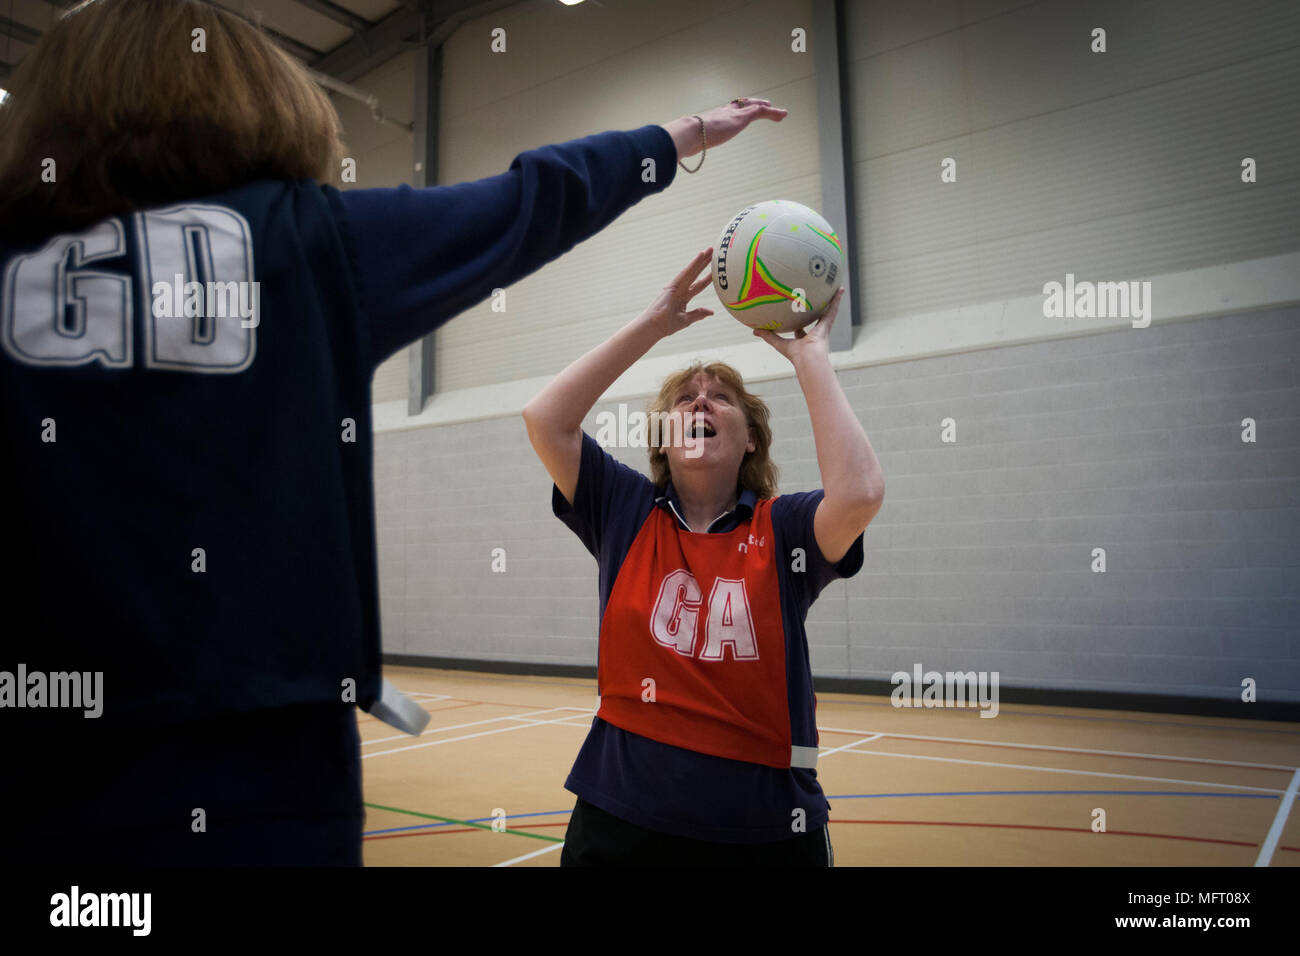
[{"x": 1068, "y": 238}]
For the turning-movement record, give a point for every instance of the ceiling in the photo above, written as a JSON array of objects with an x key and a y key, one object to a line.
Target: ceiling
[{"x": 341, "y": 38}]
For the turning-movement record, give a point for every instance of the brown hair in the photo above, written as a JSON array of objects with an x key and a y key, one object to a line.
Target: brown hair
[
  {"x": 757, "y": 472},
  {"x": 132, "y": 117}
]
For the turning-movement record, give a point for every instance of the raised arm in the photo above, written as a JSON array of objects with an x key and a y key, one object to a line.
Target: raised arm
[
  {"x": 554, "y": 416},
  {"x": 851, "y": 477},
  {"x": 426, "y": 255}
]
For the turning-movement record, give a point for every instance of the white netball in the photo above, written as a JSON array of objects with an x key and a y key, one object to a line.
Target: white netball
[{"x": 777, "y": 265}]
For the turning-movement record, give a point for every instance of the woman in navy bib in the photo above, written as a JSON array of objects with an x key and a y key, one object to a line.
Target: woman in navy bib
[{"x": 192, "y": 315}]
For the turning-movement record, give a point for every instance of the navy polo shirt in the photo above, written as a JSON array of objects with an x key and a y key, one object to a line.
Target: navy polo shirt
[{"x": 670, "y": 789}]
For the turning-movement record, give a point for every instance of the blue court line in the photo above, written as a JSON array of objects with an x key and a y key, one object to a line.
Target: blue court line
[
  {"x": 1026, "y": 793},
  {"x": 434, "y": 826},
  {"x": 868, "y": 796}
]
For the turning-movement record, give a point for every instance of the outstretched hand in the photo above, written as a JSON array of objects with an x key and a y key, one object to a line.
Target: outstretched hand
[
  {"x": 721, "y": 124},
  {"x": 668, "y": 312},
  {"x": 806, "y": 342}
]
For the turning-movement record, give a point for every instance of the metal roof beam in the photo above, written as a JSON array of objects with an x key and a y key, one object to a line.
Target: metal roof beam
[
  {"x": 19, "y": 31},
  {"x": 338, "y": 14}
]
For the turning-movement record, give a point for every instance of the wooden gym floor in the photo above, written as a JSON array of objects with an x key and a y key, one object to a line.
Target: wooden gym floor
[{"x": 906, "y": 787}]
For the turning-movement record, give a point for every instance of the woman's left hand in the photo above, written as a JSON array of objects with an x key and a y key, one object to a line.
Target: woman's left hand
[
  {"x": 721, "y": 124},
  {"x": 806, "y": 342}
]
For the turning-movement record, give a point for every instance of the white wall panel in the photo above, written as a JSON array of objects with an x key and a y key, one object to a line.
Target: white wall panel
[
  {"x": 566, "y": 75},
  {"x": 1111, "y": 165}
]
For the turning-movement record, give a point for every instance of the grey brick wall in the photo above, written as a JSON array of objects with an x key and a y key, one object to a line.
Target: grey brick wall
[{"x": 981, "y": 557}]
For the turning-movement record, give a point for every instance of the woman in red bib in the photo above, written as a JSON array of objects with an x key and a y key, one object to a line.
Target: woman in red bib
[{"x": 704, "y": 749}]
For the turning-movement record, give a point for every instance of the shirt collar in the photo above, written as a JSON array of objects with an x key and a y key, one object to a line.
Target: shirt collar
[{"x": 670, "y": 502}]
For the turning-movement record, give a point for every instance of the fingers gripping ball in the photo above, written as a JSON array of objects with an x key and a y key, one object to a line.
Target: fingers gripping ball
[{"x": 778, "y": 265}]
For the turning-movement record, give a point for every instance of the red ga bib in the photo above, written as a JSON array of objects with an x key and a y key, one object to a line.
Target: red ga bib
[{"x": 699, "y": 615}]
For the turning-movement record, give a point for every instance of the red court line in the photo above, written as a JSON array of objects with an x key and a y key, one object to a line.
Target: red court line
[
  {"x": 1025, "y": 826},
  {"x": 527, "y": 826},
  {"x": 1163, "y": 758},
  {"x": 923, "y": 823}
]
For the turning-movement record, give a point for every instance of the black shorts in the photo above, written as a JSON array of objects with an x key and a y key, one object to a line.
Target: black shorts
[
  {"x": 273, "y": 788},
  {"x": 597, "y": 838}
]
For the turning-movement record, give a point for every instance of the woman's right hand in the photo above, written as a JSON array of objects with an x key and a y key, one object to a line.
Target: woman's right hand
[
  {"x": 668, "y": 313},
  {"x": 554, "y": 416}
]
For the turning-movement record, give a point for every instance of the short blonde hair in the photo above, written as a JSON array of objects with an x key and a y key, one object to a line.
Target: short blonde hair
[
  {"x": 132, "y": 117},
  {"x": 757, "y": 471}
]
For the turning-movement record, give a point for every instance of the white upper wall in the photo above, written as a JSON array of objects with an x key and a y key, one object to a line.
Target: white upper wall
[{"x": 1114, "y": 166}]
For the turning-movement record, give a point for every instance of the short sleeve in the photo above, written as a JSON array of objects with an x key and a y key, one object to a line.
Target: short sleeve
[
  {"x": 792, "y": 518},
  {"x": 606, "y": 490}
]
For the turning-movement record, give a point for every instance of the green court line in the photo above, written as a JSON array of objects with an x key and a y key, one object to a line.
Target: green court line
[{"x": 465, "y": 823}]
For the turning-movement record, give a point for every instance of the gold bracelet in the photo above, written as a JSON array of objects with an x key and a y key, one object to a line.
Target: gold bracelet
[{"x": 704, "y": 140}]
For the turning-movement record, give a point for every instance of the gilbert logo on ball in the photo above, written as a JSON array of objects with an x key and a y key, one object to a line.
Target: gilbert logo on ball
[{"x": 778, "y": 264}]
